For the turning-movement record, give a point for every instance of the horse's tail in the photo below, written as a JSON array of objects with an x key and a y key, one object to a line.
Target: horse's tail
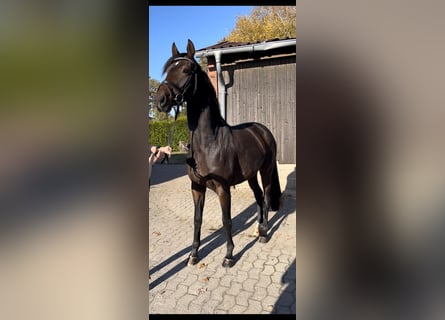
[{"x": 275, "y": 190}]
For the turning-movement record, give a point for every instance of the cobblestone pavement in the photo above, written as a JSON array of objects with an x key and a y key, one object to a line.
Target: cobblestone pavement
[{"x": 262, "y": 281}]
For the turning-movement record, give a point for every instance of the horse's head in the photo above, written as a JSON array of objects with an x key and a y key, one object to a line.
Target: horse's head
[{"x": 181, "y": 79}]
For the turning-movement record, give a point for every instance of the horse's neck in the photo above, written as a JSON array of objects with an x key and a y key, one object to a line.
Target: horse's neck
[{"x": 203, "y": 113}]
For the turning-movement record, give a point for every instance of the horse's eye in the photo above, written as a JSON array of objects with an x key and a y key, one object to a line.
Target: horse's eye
[{"x": 186, "y": 70}]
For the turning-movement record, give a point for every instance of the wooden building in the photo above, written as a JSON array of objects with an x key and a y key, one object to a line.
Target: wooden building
[{"x": 257, "y": 82}]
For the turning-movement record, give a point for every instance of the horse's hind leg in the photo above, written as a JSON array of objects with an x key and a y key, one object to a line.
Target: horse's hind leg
[
  {"x": 266, "y": 178},
  {"x": 262, "y": 225},
  {"x": 198, "y": 193}
]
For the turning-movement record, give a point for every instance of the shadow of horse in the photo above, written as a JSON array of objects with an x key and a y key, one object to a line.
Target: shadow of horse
[
  {"x": 241, "y": 222},
  {"x": 286, "y": 303}
]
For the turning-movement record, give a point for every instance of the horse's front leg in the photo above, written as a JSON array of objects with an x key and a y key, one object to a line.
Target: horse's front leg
[
  {"x": 198, "y": 193},
  {"x": 224, "y": 196}
]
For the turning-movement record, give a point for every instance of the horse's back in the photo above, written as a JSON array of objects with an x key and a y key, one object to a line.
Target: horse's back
[{"x": 254, "y": 134}]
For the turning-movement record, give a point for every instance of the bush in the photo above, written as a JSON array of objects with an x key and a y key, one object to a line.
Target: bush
[{"x": 159, "y": 132}]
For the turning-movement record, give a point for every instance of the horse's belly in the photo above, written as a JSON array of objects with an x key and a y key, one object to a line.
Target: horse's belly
[{"x": 212, "y": 179}]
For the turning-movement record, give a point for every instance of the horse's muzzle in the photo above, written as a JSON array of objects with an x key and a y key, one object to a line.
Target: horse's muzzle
[{"x": 164, "y": 99}]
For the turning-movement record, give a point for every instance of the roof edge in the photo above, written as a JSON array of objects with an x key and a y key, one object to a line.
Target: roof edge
[{"x": 259, "y": 46}]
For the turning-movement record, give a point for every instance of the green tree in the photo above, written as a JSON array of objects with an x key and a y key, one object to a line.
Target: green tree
[{"x": 264, "y": 23}]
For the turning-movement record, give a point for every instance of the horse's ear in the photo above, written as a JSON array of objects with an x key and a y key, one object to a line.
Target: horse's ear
[
  {"x": 175, "y": 51},
  {"x": 190, "y": 49}
]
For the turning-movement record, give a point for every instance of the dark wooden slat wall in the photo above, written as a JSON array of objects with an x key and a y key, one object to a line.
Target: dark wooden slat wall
[{"x": 265, "y": 91}]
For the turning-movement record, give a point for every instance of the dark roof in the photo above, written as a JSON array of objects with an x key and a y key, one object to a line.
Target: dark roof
[{"x": 228, "y": 44}]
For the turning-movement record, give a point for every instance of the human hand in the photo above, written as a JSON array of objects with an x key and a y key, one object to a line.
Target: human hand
[
  {"x": 166, "y": 150},
  {"x": 154, "y": 149},
  {"x": 162, "y": 151}
]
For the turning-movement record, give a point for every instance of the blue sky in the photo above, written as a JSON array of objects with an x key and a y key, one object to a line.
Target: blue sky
[{"x": 204, "y": 25}]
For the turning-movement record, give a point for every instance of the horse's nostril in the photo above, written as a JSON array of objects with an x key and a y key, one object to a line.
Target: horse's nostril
[{"x": 163, "y": 101}]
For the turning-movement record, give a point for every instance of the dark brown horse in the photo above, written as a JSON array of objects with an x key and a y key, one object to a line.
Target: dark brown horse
[{"x": 220, "y": 155}]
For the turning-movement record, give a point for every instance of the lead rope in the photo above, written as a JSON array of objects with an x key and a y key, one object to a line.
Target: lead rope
[{"x": 172, "y": 131}]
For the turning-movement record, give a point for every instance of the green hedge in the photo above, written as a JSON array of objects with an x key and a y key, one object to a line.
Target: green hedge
[{"x": 159, "y": 131}]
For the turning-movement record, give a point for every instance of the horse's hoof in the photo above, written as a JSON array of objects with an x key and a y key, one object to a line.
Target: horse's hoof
[
  {"x": 263, "y": 239},
  {"x": 228, "y": 263},
  {"x": 192, "y": 261}
]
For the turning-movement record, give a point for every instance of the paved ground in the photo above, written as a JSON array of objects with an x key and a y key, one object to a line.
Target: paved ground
[{"x": 262, "y": 281}]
